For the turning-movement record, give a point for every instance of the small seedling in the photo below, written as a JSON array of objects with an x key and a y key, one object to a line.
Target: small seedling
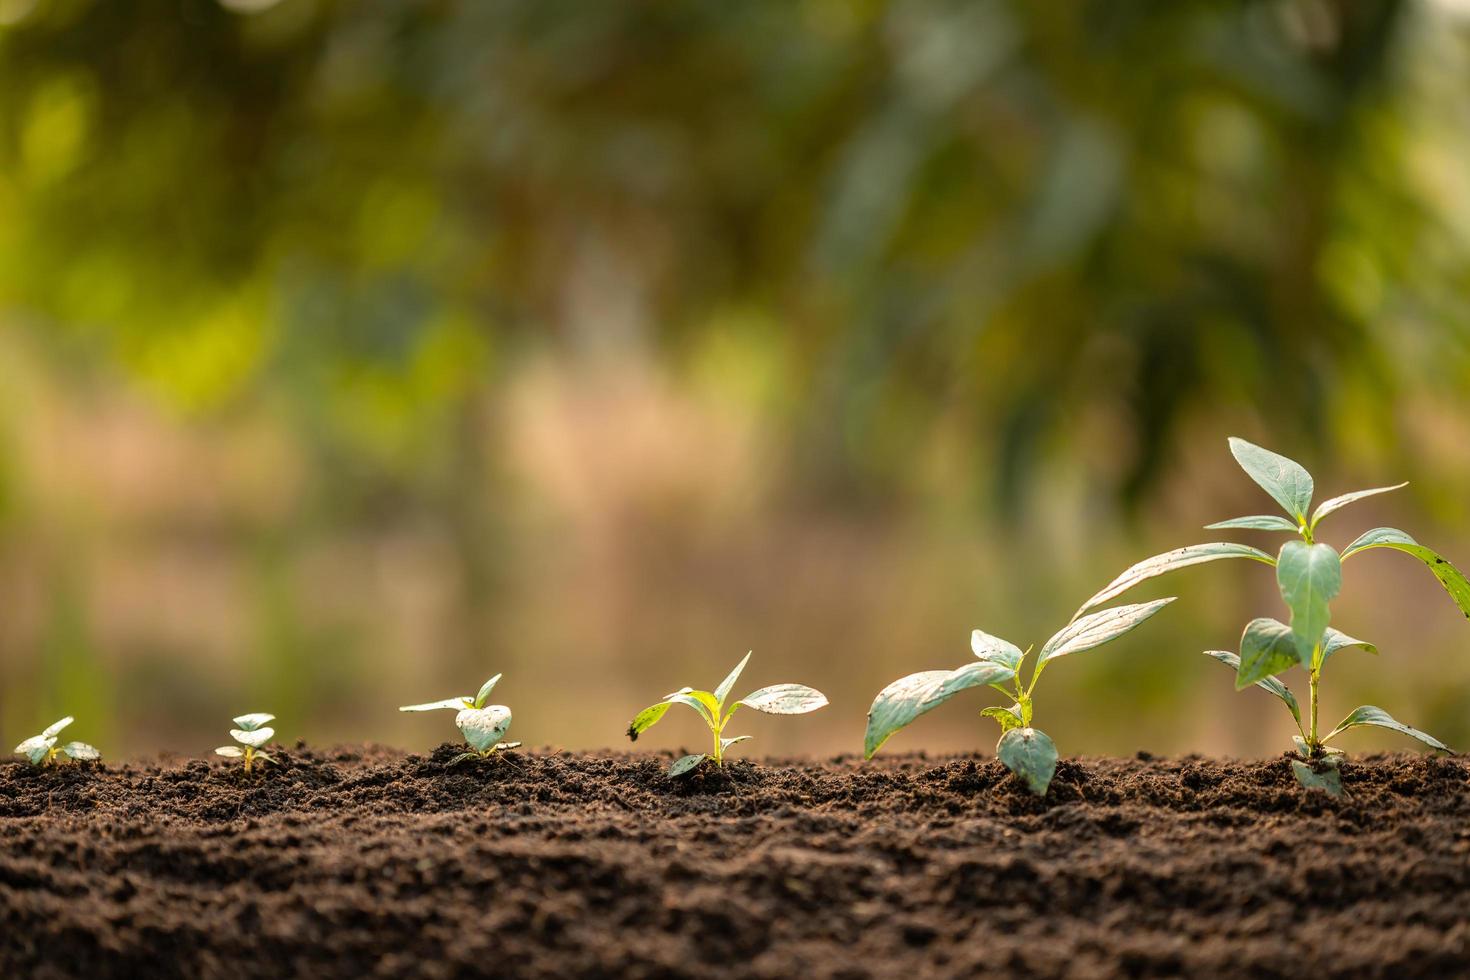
[
  {"x": 1309, "y": 575},
  {"x": 42, "y": 750},
  {"x": 251, "y": 735},
  {"x": 1028, "y": 752},
  {"x": 778, "y": 699},
  {"x": 482, "y": 726}
]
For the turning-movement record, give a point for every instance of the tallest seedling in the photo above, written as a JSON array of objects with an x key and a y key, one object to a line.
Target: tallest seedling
[{"x": 1309, "y": 574}]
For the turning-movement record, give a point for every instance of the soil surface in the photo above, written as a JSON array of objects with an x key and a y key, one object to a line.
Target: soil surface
[{"x": 369, "y": 862}]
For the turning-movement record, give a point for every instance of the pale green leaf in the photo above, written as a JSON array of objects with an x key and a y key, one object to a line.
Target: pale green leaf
[
  {"x": 1258, "y": 522},
  {"x": 56, "y": 728},
  {"x": 483, "y": 727},
  {"x": 702, "y": 701},
  {"x": 262, "y": 757},
  {"x": 1449, "y": 576},
  {"x": 1310, "y": 576},
  {"x": 1097, "y": 628},
  {"x": 1266, "y": 683},
  {"x": 503, "y": 746},
  {"x": 36, "y": 744},
  {"x": 1335, "y": 639},
  {"x": 907, "y": 698},
  {"x": 1194, "y": 554},
  {"x": 646, "y": 719},
  {"x": 38, "y": 753},
  {"x": 255, "y": 738},
  {"x": 485, "y": 690},
  {"x": 1008, "y": 718},
  {"x": 1267, "y": 647},
  {"x": 994, "y": 649},
  {"x": 462, "y": 757},
  {"x": 455, "y": 704},
  {"x": 1288, "y": 483},
  {"x": 784, "y": 699},
  {"x": 253, "y": 721},
  {"x": 1378, "y": 718},
  {"x": 230, "y": 751},
  {"x": 723, "y": 691},
  {"x": 81, "y": 752},
  {"x": 725, "y": 743},
  {"x": 1327, "y": 779},
  {"x": 1338, "y": 503},
  {"x": 685, "y": 764},
  {"x": 1030, "y": 754}
]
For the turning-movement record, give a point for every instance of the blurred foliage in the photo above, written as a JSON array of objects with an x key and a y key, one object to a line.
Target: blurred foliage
[{"x": 979, "y": 244}]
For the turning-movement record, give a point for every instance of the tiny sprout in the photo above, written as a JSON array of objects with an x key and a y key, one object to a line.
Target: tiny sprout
[
  {"x": 482, "y": 726},
  {"x": 251, "y": 734},
  {"x": 42, "y": 750},
  {"x": 778, "y": 699}
]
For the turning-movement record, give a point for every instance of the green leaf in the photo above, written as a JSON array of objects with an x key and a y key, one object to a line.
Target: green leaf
[
  {"x": 723, "y": 691},
  {"x": 646, "y": 719},
  {"x": 685, "y": 764},
  {"x": 262, "y": 757},
  {"x": 1288, "y": 483},
  {"x": 1194, "y": 554},
  {"x": 1378, "y": 718},
  {"x": 1449, "y": 576},
  {"x": 36, "y": 748},
  {"x": 1259, "y": 522},
  {"x": 1328, "y": 779},
  {"x": 483, "y": 727},
  {"x": 1270, "y": 684},
  {"x": 725, "y": 743},
  {"x": 230, "y": 751},
  {"x": 1267, "y": 647},
  {"x": 81, "y": 752},
  {"x": 907, "y": 698},
  {"x": 56, "y": 728},
  {"x": 255, "y": 738},
  {"x": 702, "y": 701},
  {"x": 1007, "y": 717},
  {"x": 1335, "y": 639},
  {"x": 1098, "y": 628},
  {"x": 784, "y": 699},
  {"x": 456, "y": 704},
  {"x": 995, "y": 650},
  {"x": 38, "y": 753},
  {"x": 1309, "y": 575},
  {"x": 1338, "y": 503},
  {"x": 254, "y": 720},
  {"x": 503, "y": 746},
  {"x": 485, "y": 690},
  {"x": 1030, "y": 754},
  {"x": 462, "y": 757}
]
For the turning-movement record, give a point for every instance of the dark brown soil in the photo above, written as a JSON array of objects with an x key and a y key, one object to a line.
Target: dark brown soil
[{"x": 369, "y": 862}]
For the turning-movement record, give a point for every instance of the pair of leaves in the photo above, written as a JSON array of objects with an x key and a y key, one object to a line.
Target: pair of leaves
[
  {"x": 37, "y": 749},
  {"x": 688, "y": 763},
  {"x": 459, "y": 703},
  {"x": 1290, "y": 485}
]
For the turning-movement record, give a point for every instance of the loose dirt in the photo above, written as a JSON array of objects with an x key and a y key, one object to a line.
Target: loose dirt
[{"x": 369, "y": 862}]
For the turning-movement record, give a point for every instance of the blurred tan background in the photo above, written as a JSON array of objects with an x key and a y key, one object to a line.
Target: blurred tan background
[{"x": 352, "y": 352}]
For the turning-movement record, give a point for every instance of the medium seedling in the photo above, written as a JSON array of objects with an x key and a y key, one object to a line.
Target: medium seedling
[
  {"x": 252, "y": 733},
  {"x": 1309, "y": 575},
  {"x": 1026, "y": 751},
  {"x": 483, "y": 726},
  {"x": 42, "y": 750},
  {"x": 778, "y": 699}
]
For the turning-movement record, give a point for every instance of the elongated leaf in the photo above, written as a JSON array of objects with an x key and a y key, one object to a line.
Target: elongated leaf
[
  {"x": 1288, "y": 483},
  {"x": 230, "y": 751},
  {"x": 907, "y": 698},
  {"x": 994, "y": 649},
  {"x": 1195, "y": 554},
  {"x": 255, "y": 738},
  {"x": 702, "y": 701},
  {"x": 1098, "y": 628},
  {"x": 462, "y": 757},
  {"x": 1338, "y": 503},
  {"x": 81, "y": 752},
  {"x": 254, "y": 720},
  {"x": 1270, "y": 684},
  {"x": 1334, "y": 640},
  {"x": 263, "y": 757},
  {"x": 42, "y": 742},
  {"x": 685, "y": 764},
  {"x": 1378, "y": 718},
  {"x": 56, "y": 728},
  {"x": 646, "y": 719},
  {"x": 456, "y": 704},
  {"x": 1030, "y": 754},
  {"x": 1327, "y": 778},
  {"x": 485, "y": 690},
  {"x": 1449, "y": 576},
  {"x": 1008, "y": 718},
  {"x": 483, "y": 727},
  {"x": 1259, "y": 522},
  {"x": 1310, "y": 576},
  {"x": 723, "y": 691},
  {"x": 725, "y": 743},
  {"x": 504, "y": 746},
  {"x": 784, "y": 699},
  {"x": 1267, "y": 647}
]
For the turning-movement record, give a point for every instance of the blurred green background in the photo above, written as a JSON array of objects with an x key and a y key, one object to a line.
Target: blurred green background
[{"x": 352, "y": 352}]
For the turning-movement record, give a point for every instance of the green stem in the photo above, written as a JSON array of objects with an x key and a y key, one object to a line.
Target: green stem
[
  {"x": 1312, "y": 743},
  {"x": 719, "y": 755}
]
